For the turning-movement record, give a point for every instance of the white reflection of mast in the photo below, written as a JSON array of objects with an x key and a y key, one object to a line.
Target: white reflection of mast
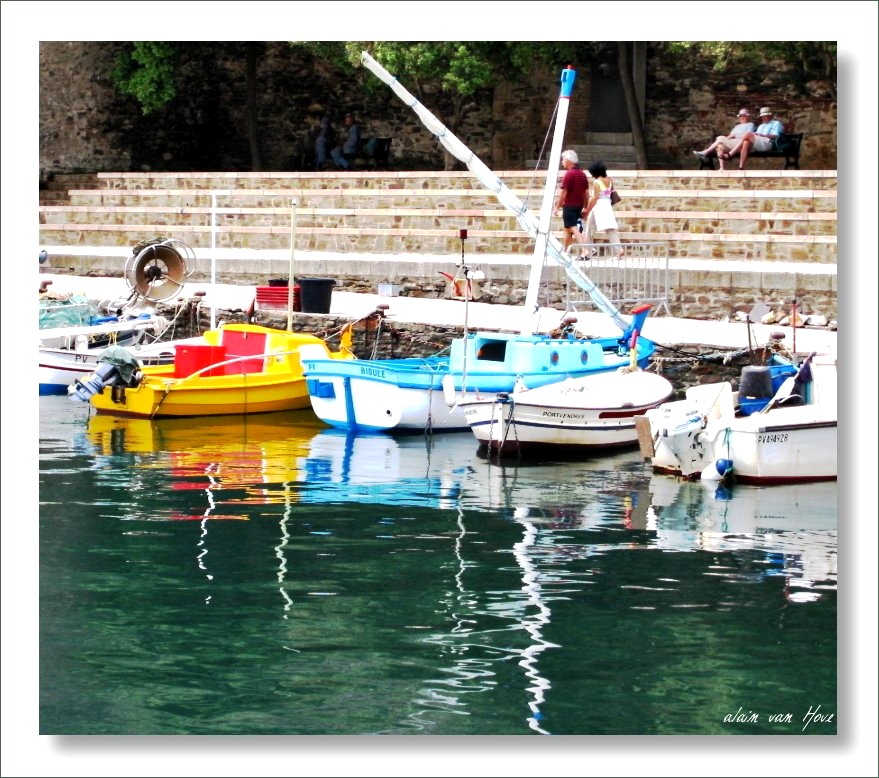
[
  {"x": 531, "y": 587},
  {"x": 465, "y": 600},
  {"x": 212, "y": 483},
  {"x": 279, "y": 550}
]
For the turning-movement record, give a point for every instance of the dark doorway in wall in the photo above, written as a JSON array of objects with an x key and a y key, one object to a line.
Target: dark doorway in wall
[{"x": 607, "y": 103}]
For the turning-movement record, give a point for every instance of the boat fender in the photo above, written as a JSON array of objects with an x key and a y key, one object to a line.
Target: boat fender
[{"x": 717, "y": 470}]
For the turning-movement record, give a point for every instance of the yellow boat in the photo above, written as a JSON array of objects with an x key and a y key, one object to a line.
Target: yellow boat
[{"x": 239, "y": 368}]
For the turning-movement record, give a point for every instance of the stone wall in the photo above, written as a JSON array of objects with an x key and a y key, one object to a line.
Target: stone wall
[{"x": 85, "y": 126}]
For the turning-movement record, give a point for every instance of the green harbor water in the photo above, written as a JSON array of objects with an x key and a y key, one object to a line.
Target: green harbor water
[{"x": 268, "y": 576}]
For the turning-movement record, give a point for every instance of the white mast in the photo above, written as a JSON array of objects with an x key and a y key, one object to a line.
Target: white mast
[{"x": 546, "y": 209}]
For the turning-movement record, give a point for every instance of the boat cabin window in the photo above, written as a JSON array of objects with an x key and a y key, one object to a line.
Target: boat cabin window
[{"x": 492, "y": 351}]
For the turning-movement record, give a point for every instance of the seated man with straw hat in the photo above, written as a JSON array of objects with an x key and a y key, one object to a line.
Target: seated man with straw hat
[{"x": 762, "y": 139}]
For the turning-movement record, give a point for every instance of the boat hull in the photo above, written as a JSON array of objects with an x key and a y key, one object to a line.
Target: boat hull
[
  {"x": 573, "y": 416},
  {"x": 68, "y": 353},
  {"x": 156, "y": 398},
  {"x": 58, "y": 368},
  {"x": 793, "y": 446},
  {"x": 404, "y": 395}
]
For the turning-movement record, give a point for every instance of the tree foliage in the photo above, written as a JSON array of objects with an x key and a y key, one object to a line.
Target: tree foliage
[
  {"x": 145, "y": 71},
  {"x": 808, "y": 60}
]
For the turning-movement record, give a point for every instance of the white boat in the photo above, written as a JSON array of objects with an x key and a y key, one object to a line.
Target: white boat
[
  {"x": 73, "y": 334},
  {"x": 717, "y": 433},
  {"x": 70, "y": 353},
  {"x": 401, "y": 395},
  {"x": 576, "y": 415}
]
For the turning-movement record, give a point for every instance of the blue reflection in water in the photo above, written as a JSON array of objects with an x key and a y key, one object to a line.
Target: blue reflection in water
[{"x": 379, "y": 584}]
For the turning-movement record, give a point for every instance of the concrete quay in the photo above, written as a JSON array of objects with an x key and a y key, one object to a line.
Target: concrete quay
[
  {"x": 666, "y": 330},
  {"x": 698, "y": 288}
]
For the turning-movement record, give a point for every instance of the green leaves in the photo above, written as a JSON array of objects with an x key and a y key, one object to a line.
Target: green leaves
[{"x": 146, "y": 72}]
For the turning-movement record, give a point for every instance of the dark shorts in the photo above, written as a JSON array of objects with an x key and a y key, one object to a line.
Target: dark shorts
[{"x": 570, "y": 215}]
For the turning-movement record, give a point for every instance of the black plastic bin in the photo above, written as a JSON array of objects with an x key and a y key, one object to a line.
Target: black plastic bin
[{"x": 316, "y": 294}]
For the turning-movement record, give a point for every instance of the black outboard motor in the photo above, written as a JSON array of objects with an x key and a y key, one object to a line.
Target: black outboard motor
[
  {"x": 755, "y": 389},
  {"x": 116, "y": 367}
]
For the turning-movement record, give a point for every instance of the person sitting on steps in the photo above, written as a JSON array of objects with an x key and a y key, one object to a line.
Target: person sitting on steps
[
  {"x": 763, "y": 139},
  {"x": 723, "y": 143},
  {"x": 323, "y": 138},
  {"x": 347, "y": 151}
]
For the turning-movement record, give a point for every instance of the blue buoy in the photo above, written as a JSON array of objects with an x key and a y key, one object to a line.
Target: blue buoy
[{"x": 723, "y": 466}]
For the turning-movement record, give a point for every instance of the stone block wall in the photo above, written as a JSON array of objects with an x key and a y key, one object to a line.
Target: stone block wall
[{"x": 85, "y": 126}]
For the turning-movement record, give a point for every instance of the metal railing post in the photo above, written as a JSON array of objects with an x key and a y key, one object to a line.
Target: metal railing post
[{"x": 213, "y": 256}]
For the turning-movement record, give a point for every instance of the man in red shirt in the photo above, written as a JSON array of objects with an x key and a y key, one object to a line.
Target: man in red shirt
[{"x": 572, "y": 197}]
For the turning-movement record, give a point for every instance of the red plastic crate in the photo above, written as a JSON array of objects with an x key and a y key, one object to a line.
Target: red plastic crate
[{"x": 276, "y": 297}]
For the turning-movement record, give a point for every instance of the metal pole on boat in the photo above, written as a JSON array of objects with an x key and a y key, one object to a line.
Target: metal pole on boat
[
  {"x": 213, "y": 257},
  {"x": 462, "y": 234},
  {"x": 293, "y": 203},
  {"x": 545, "y": 223}
]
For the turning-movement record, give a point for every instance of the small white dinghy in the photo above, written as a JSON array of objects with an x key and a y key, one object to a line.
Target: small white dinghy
[{"x": 573, "y": 416}]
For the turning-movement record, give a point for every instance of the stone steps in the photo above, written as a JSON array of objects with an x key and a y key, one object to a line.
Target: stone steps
[
  {"x": 755, "y": 216},
  {"x": 56, "y": 188},
  {"x": 460, "y": 180},
  {"x": 730, "y": 199},
  {"x": 804, "y": 250}
]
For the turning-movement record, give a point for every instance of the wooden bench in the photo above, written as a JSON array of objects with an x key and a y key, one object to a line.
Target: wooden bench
[
  {"x": 786, "y": 147},
  {"x": 374, "y": 157}
]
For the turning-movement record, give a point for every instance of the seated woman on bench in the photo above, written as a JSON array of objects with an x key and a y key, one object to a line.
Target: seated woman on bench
[{"x": 762, "y": 139}]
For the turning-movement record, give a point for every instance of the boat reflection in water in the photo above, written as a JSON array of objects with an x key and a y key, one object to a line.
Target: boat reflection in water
[
  {"x": 794, "y": 525},
  {"x": 496, "y": 559},
  {"x": 417, "y": 470},
  {"x": 247, "y": 455},
  {"x": 236, "y": 464}
]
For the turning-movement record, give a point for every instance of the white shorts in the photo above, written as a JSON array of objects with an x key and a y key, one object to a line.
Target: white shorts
[{"x": 762, "y": 143}]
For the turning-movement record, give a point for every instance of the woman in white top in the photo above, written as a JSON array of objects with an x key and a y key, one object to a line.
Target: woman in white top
[{"x": 599, "y": 213}]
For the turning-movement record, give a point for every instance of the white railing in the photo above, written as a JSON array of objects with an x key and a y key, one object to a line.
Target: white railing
[{"x": 628, "y": 274}]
